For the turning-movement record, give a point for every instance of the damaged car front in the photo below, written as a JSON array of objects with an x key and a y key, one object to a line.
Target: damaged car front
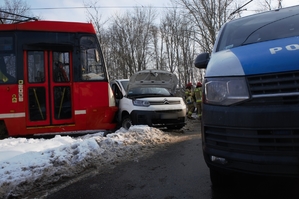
[{"x": 149, "y": 99}]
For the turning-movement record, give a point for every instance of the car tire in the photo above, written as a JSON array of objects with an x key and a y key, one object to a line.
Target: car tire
[{"x": 126, "y": 122}]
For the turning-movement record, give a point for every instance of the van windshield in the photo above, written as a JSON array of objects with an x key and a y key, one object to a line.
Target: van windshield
[
  {"x": 148, "y": 92},
  {"x": 259, "y": 28},
  {"x": 125, "y": 84}
]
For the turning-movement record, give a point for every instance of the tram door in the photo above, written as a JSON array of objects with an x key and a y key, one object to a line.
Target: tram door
[{"x": 48, "y": 88}]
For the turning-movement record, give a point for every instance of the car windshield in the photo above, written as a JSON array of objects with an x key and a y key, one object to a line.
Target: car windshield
[
  {"x": 148, "y": 92},
  {"x": 125, "y": 84},
  {"x": 259, "y": 28}
]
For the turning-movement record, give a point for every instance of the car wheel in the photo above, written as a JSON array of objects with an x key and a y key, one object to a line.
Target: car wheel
[{"x": 126, "y": 122}]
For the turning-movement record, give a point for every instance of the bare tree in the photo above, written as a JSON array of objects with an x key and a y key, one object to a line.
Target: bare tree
[
  {"x": 100, "y": 24},
  {"x": 95, "y": 16},
  {"x": 179, "y": 49},
  {"x": 265, "y": 5},
  {"x": 132, "y": 34},
  {"x": 14, "y": 10},
  {"x": 157, "y": 56},
  {"x": 207, "y": 16}
]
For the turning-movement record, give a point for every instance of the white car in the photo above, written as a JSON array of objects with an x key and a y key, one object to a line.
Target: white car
[{"x": 147, "y": 98}]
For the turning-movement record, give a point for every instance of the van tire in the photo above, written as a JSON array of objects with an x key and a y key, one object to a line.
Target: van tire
[{"x": 126, "y": 122}]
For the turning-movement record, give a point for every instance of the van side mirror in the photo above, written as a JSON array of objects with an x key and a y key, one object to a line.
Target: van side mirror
[{"x": 202, "y": 60}]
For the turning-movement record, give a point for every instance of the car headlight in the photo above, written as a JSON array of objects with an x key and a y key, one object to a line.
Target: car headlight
[
  {"x": 225, "y": 91},
  {"x": 141, "y": 103}
]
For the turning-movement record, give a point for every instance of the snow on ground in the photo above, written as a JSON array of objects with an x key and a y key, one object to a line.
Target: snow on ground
[{"x": 28, "y": 164}]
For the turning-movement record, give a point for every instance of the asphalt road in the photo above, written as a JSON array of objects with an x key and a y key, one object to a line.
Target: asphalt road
[{"x": 177, "y": 172}]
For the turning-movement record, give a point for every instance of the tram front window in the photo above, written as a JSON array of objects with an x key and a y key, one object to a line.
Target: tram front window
[{"x": 92, "y": 64}]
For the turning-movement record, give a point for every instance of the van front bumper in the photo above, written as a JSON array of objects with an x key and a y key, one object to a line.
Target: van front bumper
[
  {"x": 165, "y": 118},
  {"x": 252, "y": 139}
]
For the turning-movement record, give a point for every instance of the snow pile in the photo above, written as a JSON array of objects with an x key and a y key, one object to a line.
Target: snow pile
[{"x": 32, "y": 164}]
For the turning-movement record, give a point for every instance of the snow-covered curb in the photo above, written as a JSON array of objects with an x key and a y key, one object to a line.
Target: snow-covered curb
[{"x": 38, "y": 169}]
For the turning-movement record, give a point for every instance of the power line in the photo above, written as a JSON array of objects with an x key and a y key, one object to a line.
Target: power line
[
  {"x": 115, "y": 7},
  {"x": 100, "y": 7}
]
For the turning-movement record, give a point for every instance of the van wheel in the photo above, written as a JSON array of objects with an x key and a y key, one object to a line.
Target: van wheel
[{"x": 126, "y": 122}]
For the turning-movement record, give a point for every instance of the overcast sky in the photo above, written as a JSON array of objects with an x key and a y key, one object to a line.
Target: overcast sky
[
  {"x": 73, "y": 10},
  {"x": 77, "y": 12}
]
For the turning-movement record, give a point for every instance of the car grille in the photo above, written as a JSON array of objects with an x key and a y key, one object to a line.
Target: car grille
[
  {"x": 270, "y": 89},
  {"x": 279, "y": 88},
  {"x": 165, "y": 102},
  {"x": 253, "y": 141},
  {"x": 169, "y": 111}
]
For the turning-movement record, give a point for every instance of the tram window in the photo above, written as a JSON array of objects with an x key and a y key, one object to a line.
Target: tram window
[
  {"x": 61, "y": 67},
  {"x": 91, "y": 61},
  {"x": 7, "y": 69},
  {"x": 7, "y": 60},
  {"x": 62, "y": 102},
  {"x": 6, "y": 43},
  {"x": 36, "y": 67},
  {"x": 37, "y": 103}
]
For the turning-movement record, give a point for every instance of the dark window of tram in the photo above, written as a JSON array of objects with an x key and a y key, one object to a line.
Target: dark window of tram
[
  {"x": 7, "y": 61},
  {"x": 37, "y": 103},
  {"x": 36, "y": 67},
  {"x": 62, "y": 94},
  {"x": 63, "y": 103},
  {"x": 61, "y": 68},
  {"x": 36, "y": 94}
]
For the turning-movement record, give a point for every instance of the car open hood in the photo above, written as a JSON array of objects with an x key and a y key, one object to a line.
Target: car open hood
[{"x": 154, "y": 78}]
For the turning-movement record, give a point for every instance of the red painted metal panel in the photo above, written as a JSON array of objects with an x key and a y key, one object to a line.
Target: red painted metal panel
[{"x": 50, "y": 26}]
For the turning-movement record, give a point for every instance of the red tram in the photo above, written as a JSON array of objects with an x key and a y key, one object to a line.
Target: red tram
[{"x": 53, "y": 79}]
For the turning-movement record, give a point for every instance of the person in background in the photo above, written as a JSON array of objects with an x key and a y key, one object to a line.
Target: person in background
[
  {"x": 198, "y": 98},
  {"x": 189, "y": 96}
]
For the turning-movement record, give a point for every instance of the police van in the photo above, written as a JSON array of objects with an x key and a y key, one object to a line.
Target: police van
[{"x": 250, "y": 118}]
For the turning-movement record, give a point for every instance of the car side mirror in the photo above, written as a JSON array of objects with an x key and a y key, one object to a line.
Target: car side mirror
[{"x": 202, "y": 60}]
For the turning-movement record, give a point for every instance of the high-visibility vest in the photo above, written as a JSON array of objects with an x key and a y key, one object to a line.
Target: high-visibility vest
[
  {"x": 198, "y": 94},
  {"x": 189, "y": 96}
]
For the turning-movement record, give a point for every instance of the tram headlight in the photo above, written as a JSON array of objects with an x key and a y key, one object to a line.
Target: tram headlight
[
  {"x": 144, "y": 103},
  {"x": 225, "y": 91}
]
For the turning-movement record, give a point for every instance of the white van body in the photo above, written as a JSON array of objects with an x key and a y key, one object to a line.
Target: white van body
[{"x": 148, "y": 98}]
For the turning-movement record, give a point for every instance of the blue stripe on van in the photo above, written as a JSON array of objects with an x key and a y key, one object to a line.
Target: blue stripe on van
[{"x": 269, "y": 57}]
